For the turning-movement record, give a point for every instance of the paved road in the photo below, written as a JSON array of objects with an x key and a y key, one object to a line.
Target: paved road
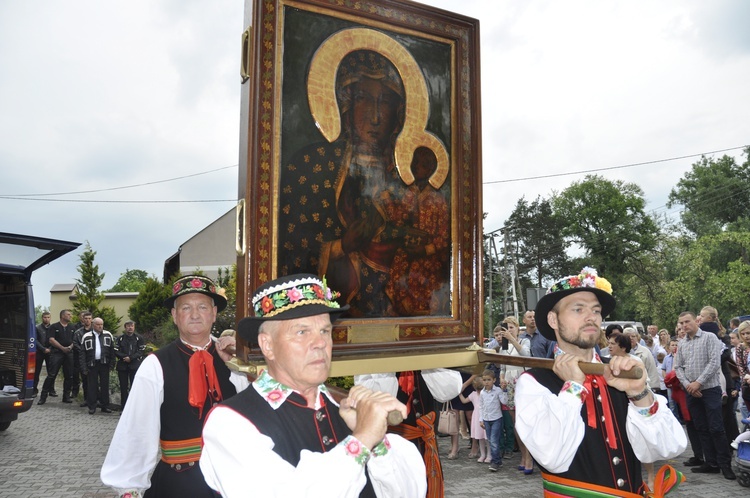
[
  {"x": 465, "y": 478},
  {"x": 57, "y": 450}
]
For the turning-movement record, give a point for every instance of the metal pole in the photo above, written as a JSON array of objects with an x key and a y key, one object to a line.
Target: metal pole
[{"x": 492, "y": 265}]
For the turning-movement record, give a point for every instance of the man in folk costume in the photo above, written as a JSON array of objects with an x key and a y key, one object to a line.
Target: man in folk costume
[
  {"x": 285, "y": 435},
  {"x": 173, "y": 391},
  {"x": 590, "y": 433},
  {"x": 419, "y": 390}
]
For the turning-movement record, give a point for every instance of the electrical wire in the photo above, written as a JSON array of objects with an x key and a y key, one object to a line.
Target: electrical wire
[{"x": 613, "y": 167}]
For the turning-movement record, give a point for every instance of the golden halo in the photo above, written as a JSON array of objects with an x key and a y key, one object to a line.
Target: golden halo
[{"x": 321, "y": 96}]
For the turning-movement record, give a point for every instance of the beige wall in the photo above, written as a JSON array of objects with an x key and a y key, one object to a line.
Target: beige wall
[
  {"x": 120, "y": 301},
  {"x": 59, "y": 301}
]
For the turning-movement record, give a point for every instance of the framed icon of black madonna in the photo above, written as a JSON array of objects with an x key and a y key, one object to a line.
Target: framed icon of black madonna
[{"x": 361, "y": 163}]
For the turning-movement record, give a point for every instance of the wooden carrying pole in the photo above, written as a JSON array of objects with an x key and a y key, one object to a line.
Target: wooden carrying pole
[
  {"x": 530, "y": 362},
  {"x": 394, "y": 417}
]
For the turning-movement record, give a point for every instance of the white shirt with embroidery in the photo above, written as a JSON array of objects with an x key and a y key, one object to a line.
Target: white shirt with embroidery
[
  {"x": 134, "y": 450},
  {"x": 237, "y": 460},
  {"x": 551, "y": 426}
]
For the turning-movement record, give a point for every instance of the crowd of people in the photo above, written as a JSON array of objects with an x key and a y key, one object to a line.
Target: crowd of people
[
  {"x": 703, "y": 371},
  {"x": 86, "y": 353},
  {"x": 697, "y": 377},
  {"x": 191, "y": 426}
]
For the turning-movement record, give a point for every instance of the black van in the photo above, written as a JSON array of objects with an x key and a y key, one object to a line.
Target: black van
[{"x": 20, "y": 255}]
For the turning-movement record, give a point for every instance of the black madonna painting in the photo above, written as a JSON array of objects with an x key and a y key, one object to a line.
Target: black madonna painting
[
  {"x": 362, "y": 165},
  {"x": 365, "y": 176}
]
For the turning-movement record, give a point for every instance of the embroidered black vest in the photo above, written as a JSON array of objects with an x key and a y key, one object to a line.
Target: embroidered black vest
[
  {"x": 179, "y": 420},
  {"x": 294, "y": 427},
  {"x": 595, "y": 462}
]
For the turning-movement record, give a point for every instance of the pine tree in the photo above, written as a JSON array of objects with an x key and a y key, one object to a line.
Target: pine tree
[
  {"x": 148, "y": 311},
  {"x": 89, "y": 281},
  {"x": 89, "y": 297}
]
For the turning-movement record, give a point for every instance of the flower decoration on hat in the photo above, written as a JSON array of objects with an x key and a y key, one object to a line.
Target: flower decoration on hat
[
  {"x": 197, "y": 284},
  {"x": 287, "y": 298},
  {"x": 588, "y": 278},
  {"x": 303, "y": 292}
]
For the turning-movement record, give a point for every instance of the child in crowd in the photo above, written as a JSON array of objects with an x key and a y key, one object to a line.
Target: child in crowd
[
  {"x": 660, "y": 356},
  {"x": 667, "y": 366},
  {"x": 744, "y": 436},
  {"x": 492, "y": 417},
  {"x": 508, "y": 438},
  {"x": 478, "y": 437}
]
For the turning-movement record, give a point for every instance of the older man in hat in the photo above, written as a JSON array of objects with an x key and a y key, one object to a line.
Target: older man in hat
[
  {"x": 590, "y": 432},
  {"x": 285, "y": 435},
  {"x": 173, "y": 391}
]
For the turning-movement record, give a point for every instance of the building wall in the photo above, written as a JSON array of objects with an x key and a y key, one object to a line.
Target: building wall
[
  {"x": 120, "y": 301},
  {"x": 60, "y": 300},
  {"x": 211, "y": 248}
]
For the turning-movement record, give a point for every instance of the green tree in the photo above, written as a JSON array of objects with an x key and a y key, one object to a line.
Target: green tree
[
  {"x": 227, "y": 281},
  {"x": 646, "y": 293},
  {"x": 38, "y": 310},
  {"x": 606, "y": 219},
  {"x": 89, "y": 297},
  {"x": 715, "y": 195},
  {"x": 537, "y": 241},
  {"x": 148, "y": 311},
  {"x": 130, "y": 281},
  {"x": 705, "y": 277},
  {"x": 89, "y": 280}
]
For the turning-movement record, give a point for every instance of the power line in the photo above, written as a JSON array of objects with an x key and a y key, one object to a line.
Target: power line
[
  {"x": 123, "y": 187},
  {"x": 35, "y": 197},
  {"x": 612, "y": 167},
  {"x": 93, "y": 201},
  {"x": 707, "y": 196},
  {"x": 563, "y": 245}
]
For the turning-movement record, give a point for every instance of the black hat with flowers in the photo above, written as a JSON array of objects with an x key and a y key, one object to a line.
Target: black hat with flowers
[
  {"x": 289, "y": 297},
  {"x": 587, "y": 281},
  {"x": 196, "y": 284}
]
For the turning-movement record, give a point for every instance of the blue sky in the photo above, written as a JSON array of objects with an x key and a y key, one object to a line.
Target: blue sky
[{"x": 95, "y": 96}]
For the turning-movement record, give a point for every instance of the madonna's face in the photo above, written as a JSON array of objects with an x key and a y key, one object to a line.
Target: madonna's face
[{"x": 374, "y": 114}]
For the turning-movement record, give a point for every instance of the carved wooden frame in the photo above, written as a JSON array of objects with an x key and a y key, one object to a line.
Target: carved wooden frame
[{"x": 260, "y": 154}]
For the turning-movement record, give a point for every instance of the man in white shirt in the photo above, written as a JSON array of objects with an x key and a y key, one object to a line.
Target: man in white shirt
[
  {"x": 567, "y": 419},
  {"x": 174, "y": 389},
  {"x": 285, "y": 435},
  {"x": 645, "y": 356}
]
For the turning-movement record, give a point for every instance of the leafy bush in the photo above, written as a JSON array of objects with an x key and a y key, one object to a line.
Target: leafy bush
[
  {"x": 342, "y": 382},
  {"x": 165, "y": 333}
]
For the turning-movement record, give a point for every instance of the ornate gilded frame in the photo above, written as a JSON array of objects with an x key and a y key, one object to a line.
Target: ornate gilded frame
[{"x": 437, "y": 55}]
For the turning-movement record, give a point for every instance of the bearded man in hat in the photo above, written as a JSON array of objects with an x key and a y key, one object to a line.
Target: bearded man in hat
[
  {"x": 285, "y": 435},
  {"x": 173, "y": 391},
  {"x": 590, "y": 432}
]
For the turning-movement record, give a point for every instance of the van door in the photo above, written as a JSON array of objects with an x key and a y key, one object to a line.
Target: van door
[{"x": 20, "y": 255}]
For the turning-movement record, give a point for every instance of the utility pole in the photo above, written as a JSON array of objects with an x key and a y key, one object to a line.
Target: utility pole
[
  {"x": 493, "y": 261},
  {"x": 510, "y": 256},
  {"x": 491, "y": 264}
]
